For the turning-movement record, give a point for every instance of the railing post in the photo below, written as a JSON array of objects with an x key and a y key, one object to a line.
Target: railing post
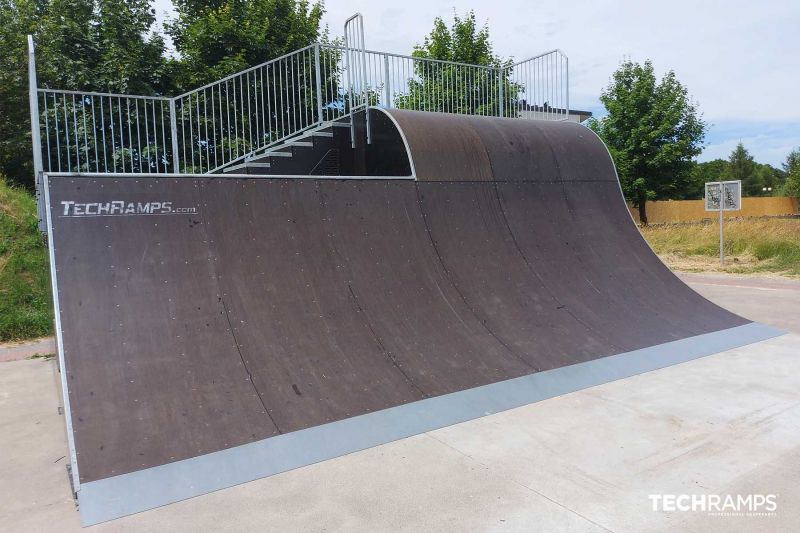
[
  {"x": 500, "y": 81},
  {"x": 173, "y": 126},
  {"x": 36, "y": 133},
  {"x": 386, "y": 79},
  {"x": 317, "y": 70},
  {"x": 566, "y": 88}
]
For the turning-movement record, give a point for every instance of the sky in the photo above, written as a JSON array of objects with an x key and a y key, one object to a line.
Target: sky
[{"x": 740, "y": 60}]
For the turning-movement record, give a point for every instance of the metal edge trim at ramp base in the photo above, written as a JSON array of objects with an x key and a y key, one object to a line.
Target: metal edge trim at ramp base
[{"x": 118, "y": 496}]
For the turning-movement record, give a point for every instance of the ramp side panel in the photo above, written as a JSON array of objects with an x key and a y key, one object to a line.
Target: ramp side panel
[{"x": 153, "y": 373}]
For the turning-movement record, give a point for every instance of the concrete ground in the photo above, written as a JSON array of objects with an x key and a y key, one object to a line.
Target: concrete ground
[{"x": 728, "y": 424}]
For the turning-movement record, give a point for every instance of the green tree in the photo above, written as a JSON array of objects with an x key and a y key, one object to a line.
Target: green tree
[
  {"x": 792, "y": 169},
  {"x": 457, "y": 88},
  {"x": 220, "y": 37},
  {"x": 742, "y": 166},
  {"x": 17, "y": 19},
  {"x": 770, "y": 178},
  {"x": 91, "y": 45},
  {"x": 652, "y": 130},
  {"x": 701, "y": 174}
]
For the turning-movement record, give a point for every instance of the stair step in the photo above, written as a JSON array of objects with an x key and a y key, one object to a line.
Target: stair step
[
  {"x": 278, "y": 154},
  {"x": 340, "y": 124},
  {"x": 244, "y": 166},
  {"x": 322, "y": 134},
  {"x": 302, "y": 144}
]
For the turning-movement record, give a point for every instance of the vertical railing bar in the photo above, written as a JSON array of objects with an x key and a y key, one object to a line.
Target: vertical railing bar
[
  {"x": 85, "y": 133},
  {"x": 75, "y": 130},
  {"x": 235, "y": 120},
  {"x": 214, "y": 126},
  {"x": 103, "y": 130},
  {"x": 249, "y": 115},
  {"x": 263, "y": 116},
  {"x": 255, "y": 102},
  {"x": 304, "y": 86},
  {"x": 58, "y": 134},
  {"x": 155, "y": 137},
  {"x": 228, "y": 120},
  {"x": 138, "y": 135},
  {"x": 173, "y": 127},
  {"x": 241, "y": 104},
  {"x": 318, "y": 83},
  {"x": 292, "y": 89},
  {"x": 47, "y": 135},
  {"x": 146, "y": 141},
  {"x": 94, "y": 134},
  {"x": 121, "y": 133},
  {"x": 130, "y": 129},
  {"x": 269, "y": 109},
  {"x": 277, "y": 91},
  {"x": 111, "y": 121},
  {"x": 199, "y": 142},
  {"x": 205, "y": 126},
  {"x": 163, "y": 137}
]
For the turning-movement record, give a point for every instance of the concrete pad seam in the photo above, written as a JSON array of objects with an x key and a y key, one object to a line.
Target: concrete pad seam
[{"x": 522, "y": 485}]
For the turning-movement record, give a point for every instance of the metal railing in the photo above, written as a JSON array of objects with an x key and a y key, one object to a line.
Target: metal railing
[
  {"x": 208, "y": 128},
  {"x": 537, "y": 88},
  {"x": 355, "y": 66},
  {"x": 230, "y": 119}
]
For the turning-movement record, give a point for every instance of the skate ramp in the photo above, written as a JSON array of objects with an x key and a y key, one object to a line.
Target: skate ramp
[{"x": 215, "y": 330}]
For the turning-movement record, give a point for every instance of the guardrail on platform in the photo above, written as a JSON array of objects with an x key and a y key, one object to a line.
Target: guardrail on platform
[{"x": 223, "y": 122}]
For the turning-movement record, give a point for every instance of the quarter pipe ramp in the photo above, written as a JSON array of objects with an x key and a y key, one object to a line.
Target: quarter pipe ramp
[{"x": 213, "y": 330}]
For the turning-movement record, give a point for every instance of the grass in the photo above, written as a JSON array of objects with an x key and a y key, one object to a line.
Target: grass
[
  {"x": 25, "y": 298},
  {"x": 752, "y": 245}
]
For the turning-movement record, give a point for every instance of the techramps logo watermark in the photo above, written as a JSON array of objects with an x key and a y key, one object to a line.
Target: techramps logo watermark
[
  {"x": 122, "y": 208},
  {"x": 717, "y": 504}
]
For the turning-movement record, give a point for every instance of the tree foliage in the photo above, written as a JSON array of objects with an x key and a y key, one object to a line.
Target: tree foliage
[
  {"x": 458, "y": 88},
  {"x": 653, "y": 131},
  {"x": 740, "y": 165},
  {"x": 114, "y": 46},
  {"x": 220, "y": 37},
  {"x": 792, "y": 169},
  {"x": 90, "y": 45}
]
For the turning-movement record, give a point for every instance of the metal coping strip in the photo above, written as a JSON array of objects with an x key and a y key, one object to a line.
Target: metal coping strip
[
  {"x": 118, "y": 496},
  {"x": 109, "y": 176}
]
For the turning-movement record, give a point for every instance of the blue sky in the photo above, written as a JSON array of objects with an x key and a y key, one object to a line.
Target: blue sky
[{"x": 739, "y": 59}]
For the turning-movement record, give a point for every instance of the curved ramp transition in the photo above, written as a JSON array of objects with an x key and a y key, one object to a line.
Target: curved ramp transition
[{"x": 217, "y": 330}]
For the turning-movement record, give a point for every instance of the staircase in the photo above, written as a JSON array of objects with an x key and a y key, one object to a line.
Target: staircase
[{"x": 324, "y": 151}]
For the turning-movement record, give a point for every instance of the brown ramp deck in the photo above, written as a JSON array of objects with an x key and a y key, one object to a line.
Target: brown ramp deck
[{"x": 216, "y": 330}]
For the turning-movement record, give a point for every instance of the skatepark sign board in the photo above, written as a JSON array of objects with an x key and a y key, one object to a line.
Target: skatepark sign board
[
  {"x": 723, "y": 196},
  {"x": 729, "y": 193}
]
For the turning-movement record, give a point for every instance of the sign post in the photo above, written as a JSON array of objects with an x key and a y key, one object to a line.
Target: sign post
[{"x": 723, "y": 196}]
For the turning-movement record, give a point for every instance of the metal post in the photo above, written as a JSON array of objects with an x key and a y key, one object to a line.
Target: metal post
[
  {"x": 386, "y": 79},
  {"x": 721, "y": 225},
  {"x": 348, "y": 84},
  {"x": 364, "y": 82},
  {"x": 319, "y": 82},
  {"x": 36, "y": 132},
  {"x": 567, "y": 85},
  {"x": 500, "y": 80},
  {"x": 173, "y": 126}
]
